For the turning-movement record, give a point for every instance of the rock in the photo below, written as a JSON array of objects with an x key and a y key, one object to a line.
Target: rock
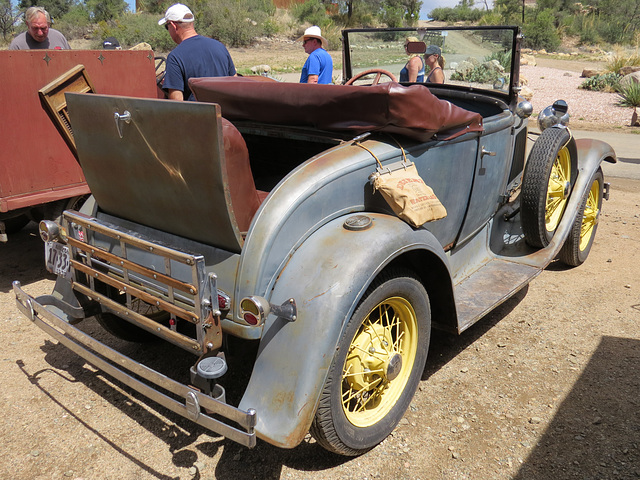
[
  {"x": 523, "y": 80},
  {"x": 526, "y": 59},
  {"x": 141, "y": 46},
  {"x": 628, "y": 70},
  {"x": 629, "y": 79},
  {"x": 535, "y": 420},
  {"x": 260, "y": 69},
  {"x": 464, "y": 68},
  {"x": 590, "y": 72}
]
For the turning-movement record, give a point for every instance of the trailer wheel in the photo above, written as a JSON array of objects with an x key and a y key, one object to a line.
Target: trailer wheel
[
  {"x": 548, "y": 178},
  {"x": 15, "y": 224},
  {"x": 377, "y": 367},
  {"x": 577, "y": 246}
]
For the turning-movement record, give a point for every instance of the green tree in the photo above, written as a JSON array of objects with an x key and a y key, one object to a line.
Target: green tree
[
  {"x": 8, "y": 18},
  {"x": 105, "y": 10},
  {"x": 510, "y": 11},
  {"x": 56, "y": 8},
  {"x": 542, "y": 32}
]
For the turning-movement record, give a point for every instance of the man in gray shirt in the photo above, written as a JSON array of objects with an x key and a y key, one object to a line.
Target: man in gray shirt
[{"x": 38, "y": 34}]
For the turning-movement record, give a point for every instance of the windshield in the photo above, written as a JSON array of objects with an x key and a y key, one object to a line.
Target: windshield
[{"x": 478, "y": 57}]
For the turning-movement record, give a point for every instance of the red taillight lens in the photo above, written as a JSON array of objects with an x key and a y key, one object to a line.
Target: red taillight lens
[
  {"x": 250, "y": 318},
  {"x": 223, "y": 302}
]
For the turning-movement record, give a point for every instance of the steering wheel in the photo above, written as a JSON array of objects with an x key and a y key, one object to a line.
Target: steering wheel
[
  {"x": 378, "y": 71},
  {"x": 159, "y": 61}
]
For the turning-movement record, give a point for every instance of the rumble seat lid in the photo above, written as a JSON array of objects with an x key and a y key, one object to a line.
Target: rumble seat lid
[{"x": 166, "y": 167}]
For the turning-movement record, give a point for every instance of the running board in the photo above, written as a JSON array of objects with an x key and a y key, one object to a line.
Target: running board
[{"x": 488, "y": 287}]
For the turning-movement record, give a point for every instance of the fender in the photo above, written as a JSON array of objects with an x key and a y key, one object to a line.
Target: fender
[{"x": 327, "y": 276}]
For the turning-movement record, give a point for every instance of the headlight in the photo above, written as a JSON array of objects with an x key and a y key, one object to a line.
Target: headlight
[{"x": 556, "y": 114}]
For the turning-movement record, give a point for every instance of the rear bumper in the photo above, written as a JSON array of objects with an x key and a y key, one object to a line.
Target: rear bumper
[{"x": 179, "y": 398}]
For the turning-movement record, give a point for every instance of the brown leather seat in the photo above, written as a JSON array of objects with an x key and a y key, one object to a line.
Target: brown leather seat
[{"x": 245, "y": 198}]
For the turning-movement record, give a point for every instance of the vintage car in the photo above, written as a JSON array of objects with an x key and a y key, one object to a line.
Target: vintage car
[{"x": 249, "y": 218}]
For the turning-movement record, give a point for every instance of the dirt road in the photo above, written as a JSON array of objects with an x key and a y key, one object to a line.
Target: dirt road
[{"x": 546, "y": 387}]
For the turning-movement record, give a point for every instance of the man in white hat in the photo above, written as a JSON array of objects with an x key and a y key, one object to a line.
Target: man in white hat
[
  {"x": 319, "y": 66},
  {"x": 195, "y": 55}
]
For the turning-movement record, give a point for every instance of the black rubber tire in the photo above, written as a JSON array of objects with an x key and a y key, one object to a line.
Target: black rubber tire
[
  {"x": 15, "y": 224},
  {"x": 535, "y": 183},
  {"x": 574, "y": 251},
  {"x": 331, "y": 428}
]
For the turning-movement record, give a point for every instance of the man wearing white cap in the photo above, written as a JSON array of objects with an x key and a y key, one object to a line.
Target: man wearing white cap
[
  {"x": 195, "y": 55},
  {"x": 319, "y": 66}
]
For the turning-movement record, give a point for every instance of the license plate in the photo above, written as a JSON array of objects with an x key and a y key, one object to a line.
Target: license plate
[{"x": 57, "y": 258}]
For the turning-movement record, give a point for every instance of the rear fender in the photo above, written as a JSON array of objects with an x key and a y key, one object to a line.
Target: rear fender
[{"x": 327, "y": 276}]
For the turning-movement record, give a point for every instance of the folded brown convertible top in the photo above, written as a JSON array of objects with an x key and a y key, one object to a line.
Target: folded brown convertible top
[{"x": 412, "y": 111}]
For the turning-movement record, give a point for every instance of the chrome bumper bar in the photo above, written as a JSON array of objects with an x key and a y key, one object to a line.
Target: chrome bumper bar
[{"x": 196, "y": 406}]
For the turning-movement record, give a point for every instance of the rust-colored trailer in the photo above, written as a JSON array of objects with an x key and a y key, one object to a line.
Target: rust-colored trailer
[{"x": 39, "y": 175}]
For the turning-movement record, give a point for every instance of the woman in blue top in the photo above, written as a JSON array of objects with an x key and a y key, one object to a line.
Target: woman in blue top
[
  {"x": 413, "y": 70},
  {"x": 435, "y": 61}
]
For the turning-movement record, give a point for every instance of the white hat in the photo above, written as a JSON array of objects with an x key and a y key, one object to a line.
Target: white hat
[
  {"x": 177, "y": 13},
  {"x": 314, "y": 32}
]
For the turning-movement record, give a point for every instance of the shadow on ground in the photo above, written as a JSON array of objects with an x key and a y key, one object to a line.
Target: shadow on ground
[{"x": 596, "y": 432}]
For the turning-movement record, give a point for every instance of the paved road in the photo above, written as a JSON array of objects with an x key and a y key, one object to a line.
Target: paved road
[{"x": 627, "y": 147}]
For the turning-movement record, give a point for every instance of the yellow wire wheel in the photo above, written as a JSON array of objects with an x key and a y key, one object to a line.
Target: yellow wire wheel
[
  {"x": 578, "y": 244},
  {"x": 377, "y": 366},
  {"x": 379, "y": 361},
  {"x": 548, "y": 179}
]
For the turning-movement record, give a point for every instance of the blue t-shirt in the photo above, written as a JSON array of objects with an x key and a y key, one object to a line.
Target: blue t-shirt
[
  {"x": 196, "y": 57},
  {"x": 319, "y": 63}
]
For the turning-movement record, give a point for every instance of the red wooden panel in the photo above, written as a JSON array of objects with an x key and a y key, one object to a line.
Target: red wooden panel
[{"x": 35, "y": 163}]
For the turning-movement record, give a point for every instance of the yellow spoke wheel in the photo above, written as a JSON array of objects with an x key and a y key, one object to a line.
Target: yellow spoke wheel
[
  {"x": 578, "y": 244},
  {"x": 548, "y": 179},
  {"x": 379, "y": 362},
  {"x": 377, "y": 366}
]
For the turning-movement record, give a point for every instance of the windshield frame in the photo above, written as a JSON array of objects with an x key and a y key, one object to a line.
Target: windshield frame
[{"x": 509, "y": 94}]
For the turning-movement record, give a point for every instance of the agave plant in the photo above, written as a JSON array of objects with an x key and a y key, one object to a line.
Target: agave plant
[{"x": 630, "y": 97}]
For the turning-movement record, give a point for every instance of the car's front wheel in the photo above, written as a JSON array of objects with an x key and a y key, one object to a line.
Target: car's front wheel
[
  {"x": 377, "y": 366},
  {"x": 548, "y": 178},
  {"x": 577, "y": 246}
]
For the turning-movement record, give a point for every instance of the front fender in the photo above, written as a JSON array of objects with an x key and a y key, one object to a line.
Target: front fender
[{"x": 327, "y": 276}]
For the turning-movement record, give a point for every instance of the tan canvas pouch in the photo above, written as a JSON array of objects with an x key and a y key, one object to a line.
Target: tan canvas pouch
[{"x": 409, "y": 197}]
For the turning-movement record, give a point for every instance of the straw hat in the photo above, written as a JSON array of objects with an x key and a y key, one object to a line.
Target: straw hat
[{"x": 314, "y": 32}]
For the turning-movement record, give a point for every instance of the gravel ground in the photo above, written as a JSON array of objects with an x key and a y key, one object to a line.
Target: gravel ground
[{"x": 589, "y": 110}]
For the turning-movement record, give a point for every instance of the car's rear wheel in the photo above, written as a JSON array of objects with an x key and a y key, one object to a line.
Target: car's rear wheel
[
  {"x": 548, "y": 178},
  {"x": 577, "y": 246},
  {"x": 377, "y": 367}
]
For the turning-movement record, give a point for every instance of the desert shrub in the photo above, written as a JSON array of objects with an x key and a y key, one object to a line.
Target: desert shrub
[
  {"x": 629, "y": 95},
  {"x": 480, "y": 74},
  {"x": 542, "y": 32},
  {"x": 75, "y": 23},
  {"x": 131, "y": 29},
  {"x": 504, "y": 58},
  {"x": 459, "y": 13},
  {"x": 313, "y": 12},
  {"x": 606, "y": 82},
  {"x": 620, "y": 60},
  {"x": 234, "y": 22}
]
